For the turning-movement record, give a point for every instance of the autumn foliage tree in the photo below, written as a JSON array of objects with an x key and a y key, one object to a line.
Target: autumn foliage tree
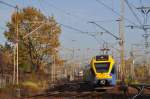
[
  {"x": 6, "y": 60},
  {"x": 35, "y": 49}
]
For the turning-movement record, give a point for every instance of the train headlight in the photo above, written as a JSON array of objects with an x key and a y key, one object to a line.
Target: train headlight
[{"x": 103, "y": 82}]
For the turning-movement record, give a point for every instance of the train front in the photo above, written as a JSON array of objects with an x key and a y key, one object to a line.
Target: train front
[{"x": 103, "y": 70}]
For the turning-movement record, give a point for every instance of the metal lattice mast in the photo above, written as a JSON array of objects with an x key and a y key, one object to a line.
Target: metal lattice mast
[
  {"x": 145, "y": 27},
  {"x": 145, "y": 11}
]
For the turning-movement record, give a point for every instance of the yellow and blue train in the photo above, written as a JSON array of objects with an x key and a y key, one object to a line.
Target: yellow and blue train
[{"x": 101, "y": 71}]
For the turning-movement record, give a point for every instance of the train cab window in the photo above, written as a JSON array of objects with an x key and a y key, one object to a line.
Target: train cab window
[{"x": 102, "y": 67}]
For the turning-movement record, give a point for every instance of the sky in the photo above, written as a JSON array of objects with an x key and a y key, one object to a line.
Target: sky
[{"x": 77, "y": 14}]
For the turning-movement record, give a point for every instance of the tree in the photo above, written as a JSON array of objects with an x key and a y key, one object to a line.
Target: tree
[
  {"x": 6, "y": 59},
  {"x": 36, "y": 48}
]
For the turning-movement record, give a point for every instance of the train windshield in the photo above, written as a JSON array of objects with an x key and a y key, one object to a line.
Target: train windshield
[{"x": 102, "y": 67}]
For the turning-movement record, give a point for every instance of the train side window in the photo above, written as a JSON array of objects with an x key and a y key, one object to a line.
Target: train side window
[{"x": 113, "y": 70}]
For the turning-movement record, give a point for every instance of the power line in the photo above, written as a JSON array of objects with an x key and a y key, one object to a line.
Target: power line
[
  {"x": 75, "y": 29},
  {"x": 140, "y": 1},
  {"x": 87, "y": 33},
  {"x": 42, "y": 7},
  {"x": 136, "y": 7},
  {"x": 67, "y": 26},
  {"x": 80, "y": 31},
  {"x": 61, "y": 11},
  {"x": 73, "y": 15},
  {"x": 106, "y": 30},
  {"x": 16, "y": 70},
  {"x": 111, "y": 9},
  {"x": 137, "y": 18},
  {"x": 64, "y": 11},
  {"x": 108, "y": 20},
  {"x": 70, "y": 14},
  {"x": 7, "y": 4}
]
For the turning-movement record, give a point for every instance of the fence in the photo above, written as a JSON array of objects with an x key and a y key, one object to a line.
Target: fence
[{"x": 5, "y": 80}]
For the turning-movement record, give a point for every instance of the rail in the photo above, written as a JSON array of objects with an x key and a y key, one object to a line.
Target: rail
[{"x": 140, "y": 88}]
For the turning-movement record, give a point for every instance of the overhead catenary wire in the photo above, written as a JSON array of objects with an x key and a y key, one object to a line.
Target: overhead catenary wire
[
  {"x": 67, "y": 13},
  {"x": 5, "y": 3},
  {"x": 140, "y": 1},
  {"x": 137, "y": 18},
  {"x": 135, "y": 8},
  {"x": 10, "y": 5},
  {"x": 16, "y": 68},
  {"x": 108, "y": 20},
  {"x": 75, "y": 29},
  {"x": 59, "y": 10},
  {"x": 107, "y": 31},
  {"x": 73, "y": 15},
  {"x": 114, "y": 11},
  {"x": 87, "y": 33},
  {"x": 70, "y": 14},
  {"x": 64, "y": 11},
  {"x": 80, "y": 31},
  {"x": 43, "y": 8}
]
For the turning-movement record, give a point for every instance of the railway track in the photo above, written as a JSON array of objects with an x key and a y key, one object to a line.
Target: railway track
[
  {"x": 140, "y": 88},
  {"x": 80, "y": 90},
  {"x": 84, "y": 95}
]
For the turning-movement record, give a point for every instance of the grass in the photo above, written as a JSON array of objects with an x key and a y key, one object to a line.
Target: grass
[{"x": 30, "y": 85}]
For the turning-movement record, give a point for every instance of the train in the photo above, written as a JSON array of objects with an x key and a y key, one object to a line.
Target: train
[{"x": 101, "y": 71}]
